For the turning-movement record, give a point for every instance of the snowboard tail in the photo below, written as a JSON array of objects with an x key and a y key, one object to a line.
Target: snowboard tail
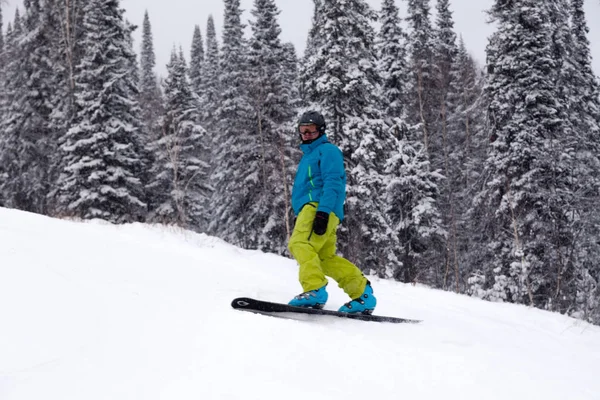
[{"x": 277, "y": 309}]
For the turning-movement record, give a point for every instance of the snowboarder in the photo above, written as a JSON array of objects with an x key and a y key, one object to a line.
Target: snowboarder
[{"x": 318, "y": 199}]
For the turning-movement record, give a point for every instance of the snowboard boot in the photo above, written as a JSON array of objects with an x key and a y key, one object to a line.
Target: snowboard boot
[
  {"x": 311, "y": 299},
  {"x": 365, "y": 304}
]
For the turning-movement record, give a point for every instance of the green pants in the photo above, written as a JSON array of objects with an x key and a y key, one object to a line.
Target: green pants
[{"x": 316, "y": 256}]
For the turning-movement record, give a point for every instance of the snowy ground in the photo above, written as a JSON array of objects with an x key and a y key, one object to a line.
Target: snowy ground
[{"x": 93, "y": 311}]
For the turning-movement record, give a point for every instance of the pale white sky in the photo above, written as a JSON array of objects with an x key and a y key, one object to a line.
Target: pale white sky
[{"x": 173, "y": 22}]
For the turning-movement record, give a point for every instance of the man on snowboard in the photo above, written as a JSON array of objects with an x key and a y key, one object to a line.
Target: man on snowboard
[{"x": 318, "y": 201}]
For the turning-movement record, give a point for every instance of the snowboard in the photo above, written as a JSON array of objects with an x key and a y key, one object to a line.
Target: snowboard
[{"x": 280, "y": 309}]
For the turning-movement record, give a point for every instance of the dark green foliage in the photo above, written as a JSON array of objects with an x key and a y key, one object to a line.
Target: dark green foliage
[{"x": 101, "y": 155}]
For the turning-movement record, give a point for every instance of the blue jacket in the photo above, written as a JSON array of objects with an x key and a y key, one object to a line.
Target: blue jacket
[{"x": 321, "y": 178}]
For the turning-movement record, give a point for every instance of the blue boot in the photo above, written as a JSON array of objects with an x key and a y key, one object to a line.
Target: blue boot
[
  {"x": 311, "y": 299},
  {"x": 365, "y": 304}
]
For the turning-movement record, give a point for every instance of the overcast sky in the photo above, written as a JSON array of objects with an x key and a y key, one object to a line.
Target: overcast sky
[{"x": 173, "y": 22}]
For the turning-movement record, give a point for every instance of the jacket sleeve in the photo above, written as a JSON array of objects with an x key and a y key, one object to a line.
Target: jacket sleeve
[{"x": 332, "y": 171}]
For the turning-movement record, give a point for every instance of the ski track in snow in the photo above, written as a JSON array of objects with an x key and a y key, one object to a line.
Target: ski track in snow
[{"x": 96, "y": 311}]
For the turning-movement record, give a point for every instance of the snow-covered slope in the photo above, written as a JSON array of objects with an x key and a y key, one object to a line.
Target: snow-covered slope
[{"x": 93, "y": 311}]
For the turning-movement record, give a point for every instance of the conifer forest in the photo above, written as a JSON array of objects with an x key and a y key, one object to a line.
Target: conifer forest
[{"x": 478, "y": 179}]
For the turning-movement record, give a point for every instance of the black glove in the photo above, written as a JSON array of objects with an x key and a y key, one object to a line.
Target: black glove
[{"x": 320, "y": 223}]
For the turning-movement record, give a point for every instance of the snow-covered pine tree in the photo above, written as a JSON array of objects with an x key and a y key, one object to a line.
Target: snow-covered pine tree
[
  {"x": 133, "y": 66},
  {"x": 444, "y": 55},
  {"x": 27, "y": 122},
  {"x": 5, "y": 95},
  {"x": 180, "y": 173},
  {"x": 4, "y": 102},
  {"x": 2, "y": 96},
  {"x": 307, "y": 71},
  {"x": 151, "y": 104},
  {"x": 150, "y": 95},
  {"x": 479, "y": 273},
  {"x": 99, "y": 150},
  {"x": 441, "y": 144},
  {"x": 528, "y": 196},
  {"x": 196, "y": 60},
  {"x": 590, "y": 89},
  {"x": 235, "y": 145},
  {"x": 465, "y": 120},
  {"x": 314, "y": 39},
  {"x": 422, "y": 106},
  {"x": 292, "y": 83},
  {"x": 467, "y": 144},
  {"x": 585, "y": 112},
  {"x": 209, "y": 85},
  {"x": 291, "y": 74},
  {"x": 141, "y": 137},
  {"x": 67, "y": 52},
  {"x": 2, "y": 60},
  {"x": 411, "y": 195},
  {"x": 445, "y": 50},
  {"x": 271, "y": 96},
  {"x": 391, "y": 51},
  {"x": 587, "y": 175},
  {"x": 343, "y": 64},
  {"x": 589, "y": 94}
]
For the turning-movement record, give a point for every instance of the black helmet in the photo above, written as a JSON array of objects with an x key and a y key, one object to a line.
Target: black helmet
[{"x": 313, "y": 117}]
